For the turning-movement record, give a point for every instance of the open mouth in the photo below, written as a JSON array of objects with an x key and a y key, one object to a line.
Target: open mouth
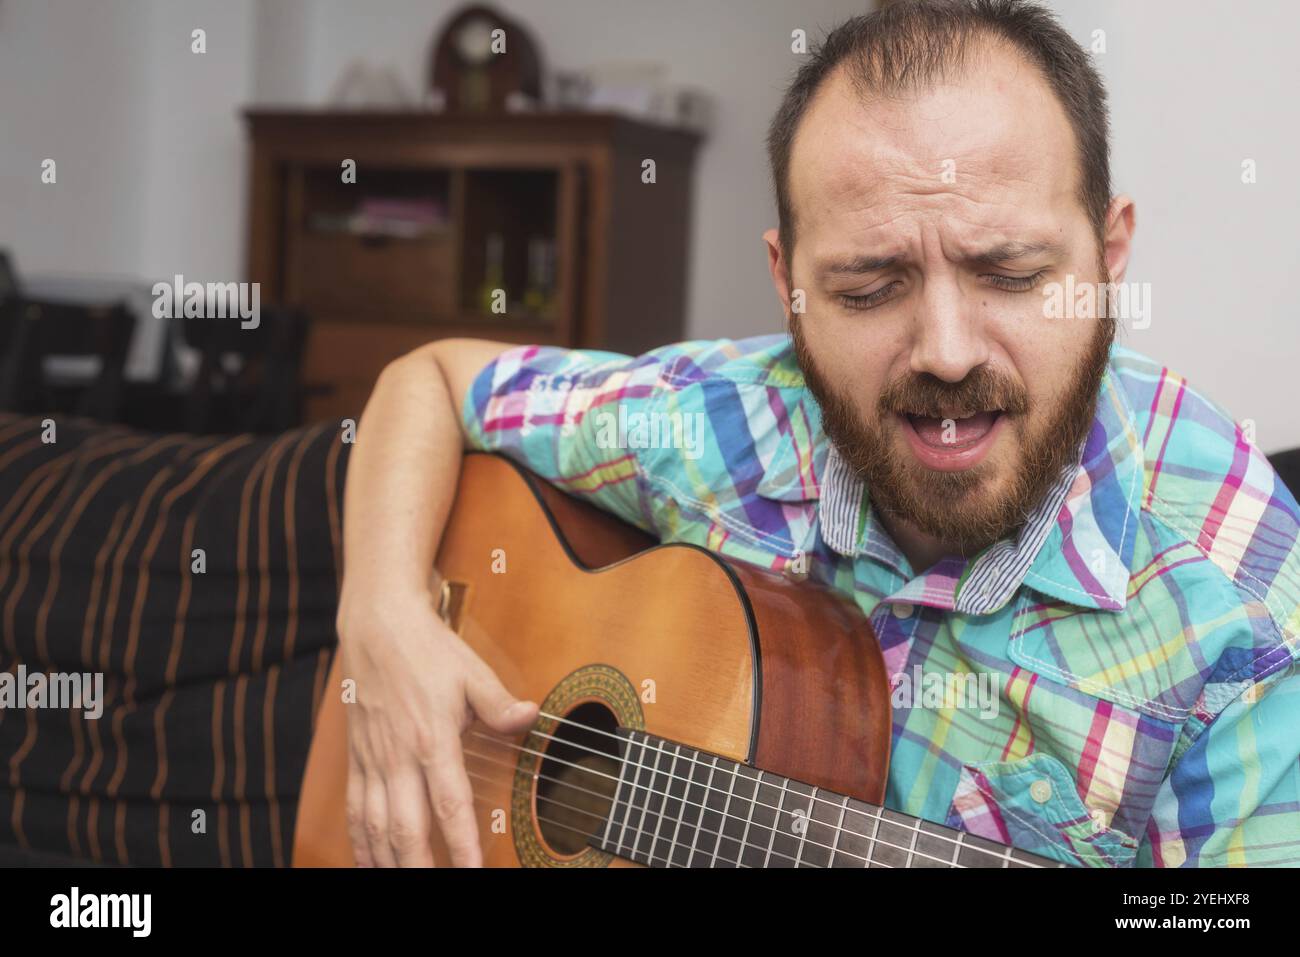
[
  {"x": 953, "y": 432},
  {"x": 952, "y": 442}
]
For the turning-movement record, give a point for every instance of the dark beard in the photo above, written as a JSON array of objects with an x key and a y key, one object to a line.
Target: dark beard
[{"x": 950, "y": 506}]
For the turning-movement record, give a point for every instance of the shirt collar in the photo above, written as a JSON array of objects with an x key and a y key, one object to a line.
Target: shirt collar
[
  {"x": 795, "y": 471},
  {"x": 1086, "y": 557},
  {"x": 1076, "y": 546}
]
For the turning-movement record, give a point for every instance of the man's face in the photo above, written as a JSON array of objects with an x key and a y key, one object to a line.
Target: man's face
[{"x": 927, "y": 227}]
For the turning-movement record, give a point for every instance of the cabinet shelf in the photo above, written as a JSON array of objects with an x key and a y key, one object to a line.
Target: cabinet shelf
[{"x": 442, "y": 208}]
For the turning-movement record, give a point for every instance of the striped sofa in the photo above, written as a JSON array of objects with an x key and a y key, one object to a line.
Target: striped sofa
[{"x": 197, "y": 577}]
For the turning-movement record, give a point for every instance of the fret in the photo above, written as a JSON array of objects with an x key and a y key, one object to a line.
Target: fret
[
  {"x": 748, "y": 855},
  {"x": 775, "y": 828},
  {"x": 640, "y": 798},
  {"x": 697, "y": 794},
  {"x": 824, "y": 819},
  {"x": 654, "y": 803},
  {"x": 839, "y": 829},
  {"x": 721, "y": 818},
  {"x": 674, "y": 791},
  {"x": 791, "y": 827},
  {"x": 680, "y": 786},
  {"x": 803, "y": 832},
  {"x": 856, "y": 835},
  {"x": 956, "y": 847},
  {"x": 934, "y": 845},
  {"x": 875, "y": 833},
  {"x": 633, "y": 793},
  {"x": 760, "y": 822},
  {"x": 618, "y": 791},
  {"x": 625, "y": 814},
  {"x": 979, "y": 851},
  {"x": 740, "y": 796},
  {"x": 893, "y": 839}
]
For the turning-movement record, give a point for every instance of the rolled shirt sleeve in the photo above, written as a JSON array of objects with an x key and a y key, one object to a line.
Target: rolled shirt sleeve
[{"x": 556, "y": 412}]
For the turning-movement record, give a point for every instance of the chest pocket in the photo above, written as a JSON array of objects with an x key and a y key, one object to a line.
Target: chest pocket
[
  {"x": 1150, "y": 656},
  {"x": 1033, "y": 804}
]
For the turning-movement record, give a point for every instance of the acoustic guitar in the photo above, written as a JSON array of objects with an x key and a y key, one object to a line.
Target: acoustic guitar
[{"x": 695, "y": 712}]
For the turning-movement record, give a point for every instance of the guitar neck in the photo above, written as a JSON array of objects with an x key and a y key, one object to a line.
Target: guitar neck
[{"x": 677, "y": 807}]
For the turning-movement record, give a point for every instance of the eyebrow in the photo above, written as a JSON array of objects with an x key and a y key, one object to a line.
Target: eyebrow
[
  {"x": 855, "y": 265},
  {"x": 995, "y": 256},
  {"x": 1014, "y": 250}
]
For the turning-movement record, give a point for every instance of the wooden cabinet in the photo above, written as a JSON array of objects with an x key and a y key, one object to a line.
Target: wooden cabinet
[{"x": 551, "y": 208}]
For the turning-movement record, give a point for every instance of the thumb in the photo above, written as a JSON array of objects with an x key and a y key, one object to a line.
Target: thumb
[{"x": 495, "y": 706}]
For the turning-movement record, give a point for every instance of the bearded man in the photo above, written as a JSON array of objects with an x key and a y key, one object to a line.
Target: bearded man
[{"x": 1006, "y": 493}]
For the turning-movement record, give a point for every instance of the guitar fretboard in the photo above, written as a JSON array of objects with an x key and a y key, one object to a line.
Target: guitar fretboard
[{"x": 678, "y": 807}]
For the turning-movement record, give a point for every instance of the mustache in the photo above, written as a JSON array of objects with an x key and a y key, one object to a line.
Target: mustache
[{"x": 983, "y": 389}]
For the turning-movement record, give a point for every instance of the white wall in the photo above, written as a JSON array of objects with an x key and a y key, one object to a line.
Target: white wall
[
  {"x": 196, "y": 191},
  {"x": 152, "y": 154},
  {"x": 70, "y": 90},
  {"x": 145, "y": 134},
  {"x": 1196, "y": 89}
]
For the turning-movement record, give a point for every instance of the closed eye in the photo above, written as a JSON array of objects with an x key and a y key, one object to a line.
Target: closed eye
[
  {"x": 1014, "y": 283},
  {"x": 871, "y": 299}
]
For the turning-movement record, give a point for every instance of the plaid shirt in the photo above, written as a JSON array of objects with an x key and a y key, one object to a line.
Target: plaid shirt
[{"x": 1119, "y": 685}]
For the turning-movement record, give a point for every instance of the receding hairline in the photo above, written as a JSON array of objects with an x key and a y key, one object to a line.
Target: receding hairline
[
  {"x": 914, "y": 43},
  {"x": 967, "y": 51}
]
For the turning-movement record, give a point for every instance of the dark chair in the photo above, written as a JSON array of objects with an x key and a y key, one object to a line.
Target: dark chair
[
  {"x": 1287, "y": 466},
  {"x": 32, "y": 331},
  {"x": 264, "y": 393}
]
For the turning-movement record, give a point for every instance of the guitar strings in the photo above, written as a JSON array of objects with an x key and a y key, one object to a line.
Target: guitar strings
[
  {"x": 876, "y": 840},
  {"x": 834, "y": 850},
  {"x": 668, "y": 862},
  {"x": 655, "y": 839},
  {"x": 875, "y": 815}
]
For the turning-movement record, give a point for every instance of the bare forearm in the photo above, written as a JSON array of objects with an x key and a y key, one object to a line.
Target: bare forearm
[
  {"x": 403, "y": 469},
  {"x": 418, "y": 686}
]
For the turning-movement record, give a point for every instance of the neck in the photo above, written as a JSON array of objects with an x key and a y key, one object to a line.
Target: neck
[{"x": 922, "y": 550}]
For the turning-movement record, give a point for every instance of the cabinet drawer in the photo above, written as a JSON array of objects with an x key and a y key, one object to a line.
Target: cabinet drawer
[{"x": 341, "y": 275}]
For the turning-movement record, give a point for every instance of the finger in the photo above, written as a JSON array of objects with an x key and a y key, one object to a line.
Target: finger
[
  {"x": 409, "y": 817},
  {"x": 493, "y": 704},
  {"x": 377, "y": 822},
  {"x": 453, "y": 803},
  {"x": 356, "y": 809}
]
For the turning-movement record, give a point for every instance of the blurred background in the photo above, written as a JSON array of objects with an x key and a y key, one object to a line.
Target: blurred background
[{"x": 525, "y": 172}]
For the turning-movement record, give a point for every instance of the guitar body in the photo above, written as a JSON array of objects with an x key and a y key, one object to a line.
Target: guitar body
[{"x": 590, "y": 618}]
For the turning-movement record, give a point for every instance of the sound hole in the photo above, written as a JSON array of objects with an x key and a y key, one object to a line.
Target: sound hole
[{"x": 578, "y": 778}]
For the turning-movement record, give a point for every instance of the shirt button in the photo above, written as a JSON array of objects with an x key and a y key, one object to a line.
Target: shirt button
[
  {"x": 1041, "y": 790},
  {"x": 902, "y": 610}
]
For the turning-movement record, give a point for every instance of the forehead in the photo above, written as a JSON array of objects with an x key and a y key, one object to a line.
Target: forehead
[{"x": 988, "y": 147}]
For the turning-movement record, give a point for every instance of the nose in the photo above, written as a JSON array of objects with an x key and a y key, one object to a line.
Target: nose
[{"x": 949, "y": 338}]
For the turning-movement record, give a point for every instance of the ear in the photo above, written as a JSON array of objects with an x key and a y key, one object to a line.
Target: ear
[
  {"x": 1121, "y": 221},
  {"x": 777, "y": 266}
]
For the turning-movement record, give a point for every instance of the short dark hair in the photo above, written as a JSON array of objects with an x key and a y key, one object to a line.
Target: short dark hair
[{"x": 908, "y": 43}]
